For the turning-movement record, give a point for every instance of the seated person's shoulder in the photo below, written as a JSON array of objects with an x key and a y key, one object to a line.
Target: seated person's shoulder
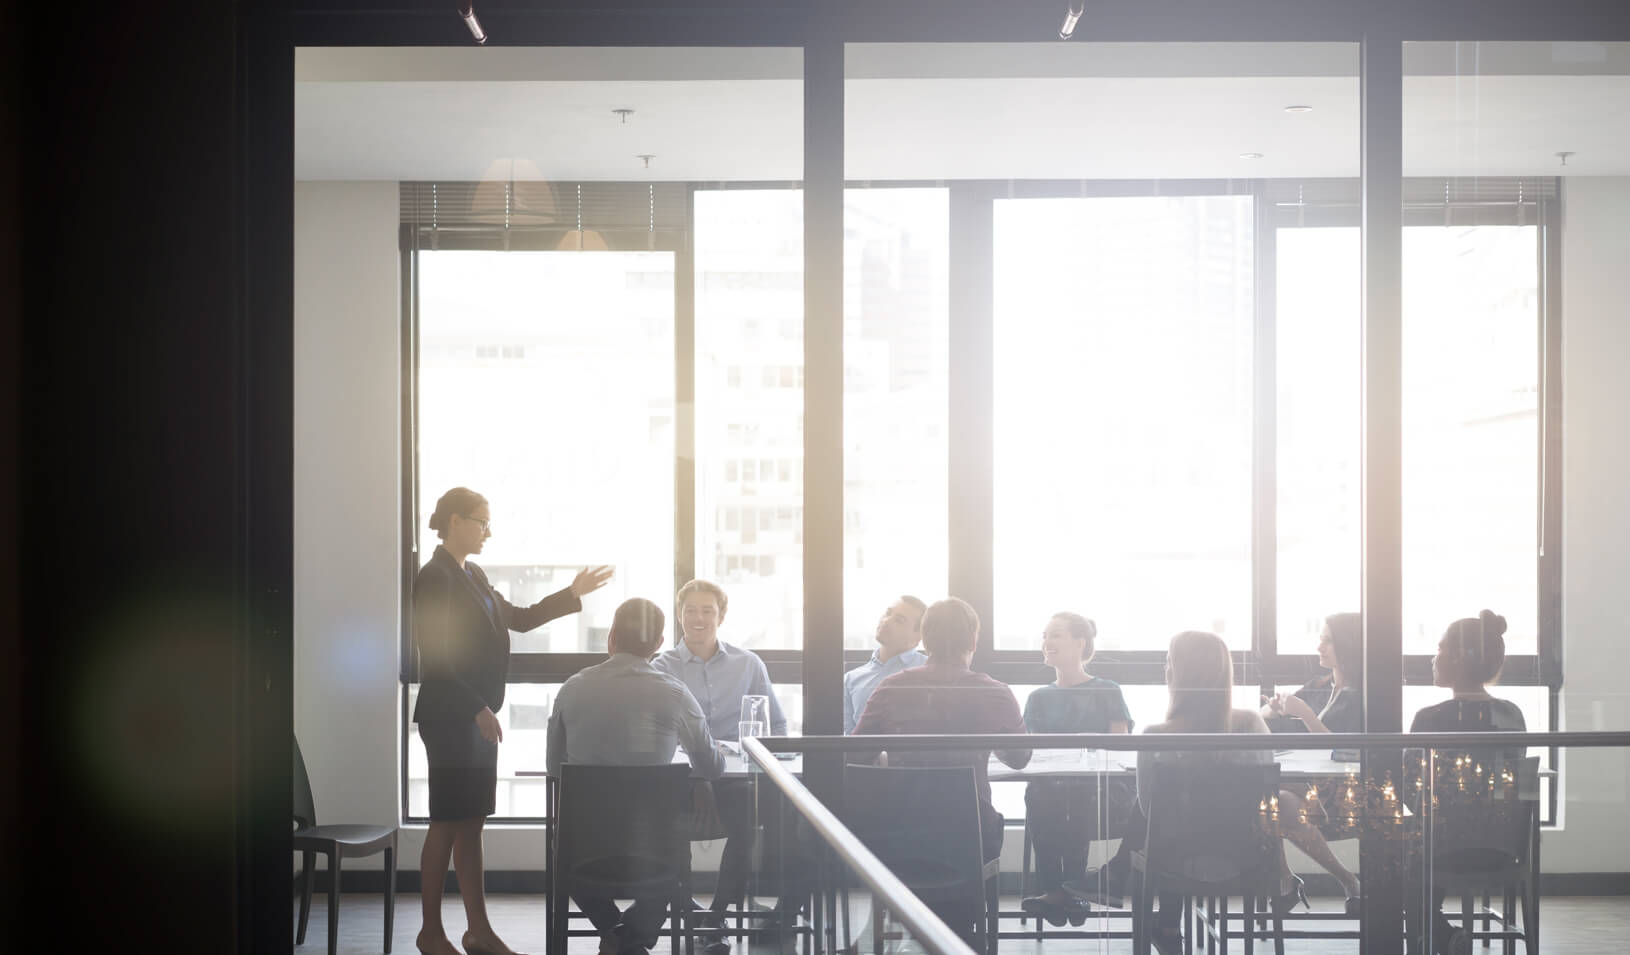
[
  {"x": 1507, "y": 715},
  {"x": 1429, "y": 718}
]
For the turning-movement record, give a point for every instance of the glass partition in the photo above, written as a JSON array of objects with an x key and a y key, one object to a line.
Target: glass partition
[{"x": 1460, "y": 824}]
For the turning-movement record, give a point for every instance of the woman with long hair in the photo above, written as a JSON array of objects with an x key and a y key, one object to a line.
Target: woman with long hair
[
  {"x": 1200, "y": 681},
  {"x": 1330, "y": 703},
  {"x": 461, "y": 626}
]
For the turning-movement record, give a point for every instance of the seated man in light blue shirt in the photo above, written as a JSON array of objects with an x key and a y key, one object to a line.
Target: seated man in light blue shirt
[
  {"x": 897, "y": 635},
  {"x": 625, "y": 712},
  {"x": 719, "y": 675}
]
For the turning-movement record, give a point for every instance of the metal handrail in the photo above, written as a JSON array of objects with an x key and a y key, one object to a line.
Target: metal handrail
[
  {"x": 1190, "y": 741},
  {"x": 935, "y": 935}
]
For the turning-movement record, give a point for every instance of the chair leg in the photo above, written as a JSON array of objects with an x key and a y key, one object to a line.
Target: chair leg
[
  {"x": 1278, "y": 935},
  {"x": 1508, "y": 921},
  {"x": 1530, "y": 918},
  {"x": 390, "y": 894},
  {"x": 333, "y": 901},
  {"x": 1142, "y": 915},
  {"x": 308, "y": 865},
  {"x": 1250, "y": 920},
  {"x": 1188, "y": 925},
  {"x": 1488, "y": 905}
]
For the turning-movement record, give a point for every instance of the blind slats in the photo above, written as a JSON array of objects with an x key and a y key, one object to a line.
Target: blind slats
[
  {"x": 617, "y": 215},
  {"x": 1418, "y": 191}
]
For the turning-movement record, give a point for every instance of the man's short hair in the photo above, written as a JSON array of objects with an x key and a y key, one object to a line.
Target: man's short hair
[
  {"x": 702, "y": 587},
  {"x": 950, "y": 628},
  {"x": 917, "y": 605},
  {"x": 636, "y": 628}
]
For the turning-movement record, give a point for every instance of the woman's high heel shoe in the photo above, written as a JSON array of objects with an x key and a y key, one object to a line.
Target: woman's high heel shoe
[{"x": 1296, "y": 896}]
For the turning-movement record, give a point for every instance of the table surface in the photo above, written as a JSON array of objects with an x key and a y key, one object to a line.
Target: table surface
[{"x": 1064, "y": 763}]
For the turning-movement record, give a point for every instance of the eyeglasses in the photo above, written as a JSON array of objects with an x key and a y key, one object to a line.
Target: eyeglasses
[{"x": 483, "y": 521}]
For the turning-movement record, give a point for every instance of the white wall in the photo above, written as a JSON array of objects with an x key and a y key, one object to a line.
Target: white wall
[
  {"x": 347, "y": 458},
  {"x": 347, "y": 515},
  {"x": 1596, "y": 519}
]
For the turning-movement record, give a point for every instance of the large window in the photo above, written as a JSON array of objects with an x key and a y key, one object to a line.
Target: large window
[
  {"x": 895, "y": 338},
  {"x": 749, "y": 410},
  {"x": 1123, "y": 343},
  {"x": 546, "y": 383},
  {"x": 1471, "y": 430}
]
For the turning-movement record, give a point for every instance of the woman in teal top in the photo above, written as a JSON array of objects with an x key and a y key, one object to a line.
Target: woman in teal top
[{"x": 1063, "y": 815}]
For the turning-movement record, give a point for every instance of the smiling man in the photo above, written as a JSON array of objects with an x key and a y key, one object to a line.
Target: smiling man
[
  {"x": 719, "y": 675},
  {"x": 898, "y": 631}
]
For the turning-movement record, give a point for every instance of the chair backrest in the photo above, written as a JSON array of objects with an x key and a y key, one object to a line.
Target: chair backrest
[
  {"x": 920, "y": 822},
  {"x": 621, "y": 813},
  {"x": 1485, "y": 809},
  {"x": 1212, "y": 821},
  {"x": 305, "y": 812}
]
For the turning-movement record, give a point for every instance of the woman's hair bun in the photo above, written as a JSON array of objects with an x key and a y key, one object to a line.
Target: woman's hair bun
[
  {"x": 459, "y": 500},
  {"x": 1493, "y": 624}
]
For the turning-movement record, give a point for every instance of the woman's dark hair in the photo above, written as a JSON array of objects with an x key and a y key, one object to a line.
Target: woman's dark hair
[
  {"x": 636, "y": 628},
  {"x": 1201, "y": 683},
  {"x": 1347, "y": 639},
  {"x": 1475, "y": 647},
  {"x": 1081, "y": 628},
  {"x": 460, "y": 501}
]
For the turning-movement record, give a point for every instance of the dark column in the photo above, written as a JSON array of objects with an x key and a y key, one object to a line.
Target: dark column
[
  {"x": 1381, "y": 143},
  {"x": 971, "y": 455},
  {"x": 823, "y": 400}
]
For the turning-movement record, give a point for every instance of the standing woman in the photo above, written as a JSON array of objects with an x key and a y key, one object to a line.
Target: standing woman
[
  {"x": 1064, "y": 814},
  {"x": 461, "y": 627}
]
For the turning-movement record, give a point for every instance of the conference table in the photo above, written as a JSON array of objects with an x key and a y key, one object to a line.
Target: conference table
[{"x": 1073, "y": 763}]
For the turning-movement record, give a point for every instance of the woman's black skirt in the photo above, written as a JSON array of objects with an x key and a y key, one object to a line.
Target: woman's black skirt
[{"x": 463, "y": 771}]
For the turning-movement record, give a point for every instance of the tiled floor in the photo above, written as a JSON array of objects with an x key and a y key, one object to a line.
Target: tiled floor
[{"x": 1576, "y": 926}]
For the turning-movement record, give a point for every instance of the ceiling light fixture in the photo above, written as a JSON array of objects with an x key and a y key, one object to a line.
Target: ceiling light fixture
[
  {"x": 624, "y": 112},
  {"x": 647, "y": 157},
  {"x": 1071, "y": 17},
  {"x": 1298, "y": 109},
  {"x": 1250, "y": 155},
  {"x": 1564, "y": 156},
  {"x": 466, "y": 9}
]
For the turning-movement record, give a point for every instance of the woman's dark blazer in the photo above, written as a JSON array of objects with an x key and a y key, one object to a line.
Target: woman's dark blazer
[{"x": 463, "y": 649}]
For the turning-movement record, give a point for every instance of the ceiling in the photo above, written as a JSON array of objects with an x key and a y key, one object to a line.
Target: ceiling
[{"x": 934, "y": 112}]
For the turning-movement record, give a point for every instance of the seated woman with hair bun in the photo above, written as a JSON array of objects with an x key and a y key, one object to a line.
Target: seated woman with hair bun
[{"x": 1469, "y": 658}]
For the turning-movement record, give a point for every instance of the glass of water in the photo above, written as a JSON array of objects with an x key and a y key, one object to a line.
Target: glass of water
[{"x": 755, "y": 715}]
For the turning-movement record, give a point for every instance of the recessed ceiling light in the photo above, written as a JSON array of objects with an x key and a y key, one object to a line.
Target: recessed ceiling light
[
  {"x": 1298, "y": 109},
  {"x": 1250, "y": 155}
]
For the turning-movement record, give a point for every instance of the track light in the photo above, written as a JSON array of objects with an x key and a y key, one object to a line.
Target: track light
[
  {"x": 466, "y": 9},
  {"x": 1071, "y": 17}
]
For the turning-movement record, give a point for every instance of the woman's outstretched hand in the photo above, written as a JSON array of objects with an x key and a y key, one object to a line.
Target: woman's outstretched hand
[{"x": 590, "y": 579}]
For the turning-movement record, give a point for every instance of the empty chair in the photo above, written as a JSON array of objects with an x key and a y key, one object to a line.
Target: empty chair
[
  {"x": 1209, "y": 838},
  {"x": 620, "y": 836},
  {"x": 923, "y": 823},
  {"x": 337, "y": 842}
]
